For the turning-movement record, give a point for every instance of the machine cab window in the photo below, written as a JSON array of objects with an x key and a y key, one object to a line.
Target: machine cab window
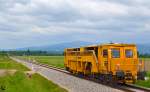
[
  {"x": 129, "y": 53},
  {"x": 115, "y": 53}
]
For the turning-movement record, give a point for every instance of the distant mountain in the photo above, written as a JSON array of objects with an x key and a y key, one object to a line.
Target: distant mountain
[
  {"x": 142, "y": 48},
  {"x": 58, "y": 47}
]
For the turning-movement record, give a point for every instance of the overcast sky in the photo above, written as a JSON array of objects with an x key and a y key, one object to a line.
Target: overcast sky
[{"x": 39, "y": 22}]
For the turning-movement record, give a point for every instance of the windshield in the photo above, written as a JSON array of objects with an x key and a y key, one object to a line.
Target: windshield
[
  {"x": 129, "y": 53},
  {"x": 115, "y": 53}
]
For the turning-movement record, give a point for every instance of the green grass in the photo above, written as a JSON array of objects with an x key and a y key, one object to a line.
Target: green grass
[
  {"x": 144, "y": 83},
  {"x": 7, "y": 63},
  {"x": 147, "y": 59},
  {"x": 19, "y": 82},
  {"x": 57, "y": 61}
]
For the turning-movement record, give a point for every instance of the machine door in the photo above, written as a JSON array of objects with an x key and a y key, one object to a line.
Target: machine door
[
  {"x": 117, "y": 59},
  {"x": 105, "y": 56},
  {"x": 130, "y": 58}
]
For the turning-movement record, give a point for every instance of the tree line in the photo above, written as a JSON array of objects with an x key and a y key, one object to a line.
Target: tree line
[
  {"x": 31, "y": 53},
  {"x": 144, "y": 55}
]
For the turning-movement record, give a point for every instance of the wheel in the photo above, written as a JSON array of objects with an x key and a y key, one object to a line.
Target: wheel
[{"x": 67, "y": 68}]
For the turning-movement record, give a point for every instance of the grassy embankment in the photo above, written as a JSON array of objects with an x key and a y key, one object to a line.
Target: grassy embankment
[
  {"x": 144, "y": 83},
  {"x": 7, "y": 63},
  {"x": 20, "y": 82},
  {"x": 57, "y": 61}
]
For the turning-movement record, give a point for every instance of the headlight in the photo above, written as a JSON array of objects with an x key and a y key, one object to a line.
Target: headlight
[{"x": 117, "y": 66}]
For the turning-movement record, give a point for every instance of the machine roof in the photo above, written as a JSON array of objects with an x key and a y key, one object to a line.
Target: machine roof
[{"x": 107, "y": 44}]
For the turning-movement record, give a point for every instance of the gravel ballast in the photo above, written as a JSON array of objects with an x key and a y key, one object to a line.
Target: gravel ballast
[{"x": 71, "y": 83}]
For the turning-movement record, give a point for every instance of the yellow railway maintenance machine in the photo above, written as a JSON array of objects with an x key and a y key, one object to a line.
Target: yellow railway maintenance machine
[{"x": 107, "y": 62}]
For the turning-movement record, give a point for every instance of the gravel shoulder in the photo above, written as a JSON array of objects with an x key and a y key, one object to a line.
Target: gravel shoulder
[{"x": 71, "y": 83}]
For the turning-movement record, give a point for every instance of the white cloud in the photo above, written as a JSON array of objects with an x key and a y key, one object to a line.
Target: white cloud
[
  {"x": 88, "y": 8},
  {"x": 67, "y": 20}
]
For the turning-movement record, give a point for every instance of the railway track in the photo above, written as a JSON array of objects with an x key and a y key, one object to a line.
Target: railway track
[{"x": 123, "y": 87}]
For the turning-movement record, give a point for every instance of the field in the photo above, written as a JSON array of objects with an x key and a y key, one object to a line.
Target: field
[
  {"x": 57, "y": 61},
  {"x": 146, "y": 59},
  {"x": 7, "y": 63},
  {"x": 20, "y": 82}
]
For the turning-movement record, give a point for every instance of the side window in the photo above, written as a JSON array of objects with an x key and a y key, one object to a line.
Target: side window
[
  {"x": 129, "y": 53},
  {"x": 115, "y": 53},
  {"x": 105, "y": 53}
]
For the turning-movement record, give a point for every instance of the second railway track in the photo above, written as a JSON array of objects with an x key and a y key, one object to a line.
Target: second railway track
[{"x": 123, "y": 87}]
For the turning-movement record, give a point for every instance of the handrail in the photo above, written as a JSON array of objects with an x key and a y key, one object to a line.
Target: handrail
[
  {"x": 95, "y": 56},
  {"x": 82, "y": 51},
  {"x": 96, "y": 60}
]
